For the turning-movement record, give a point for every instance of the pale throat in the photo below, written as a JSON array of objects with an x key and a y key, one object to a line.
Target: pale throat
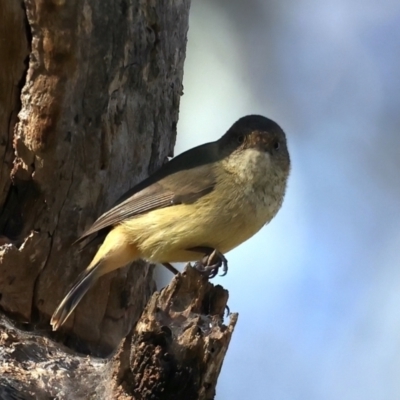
[{"x": 250, "y": 166}]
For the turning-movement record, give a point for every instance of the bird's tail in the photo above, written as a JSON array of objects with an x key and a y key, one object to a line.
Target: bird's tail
[
  {"x": 74, "y": 296},
  {"x": 115, "y": 252}
]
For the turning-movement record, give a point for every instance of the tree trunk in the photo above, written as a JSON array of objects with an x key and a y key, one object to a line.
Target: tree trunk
[
  {"x": 89, "y": 97},
  {"x": 175, "y": 352}
]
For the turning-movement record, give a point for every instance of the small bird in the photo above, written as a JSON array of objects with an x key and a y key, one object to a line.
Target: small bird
[{"x": 198, "y": 206}]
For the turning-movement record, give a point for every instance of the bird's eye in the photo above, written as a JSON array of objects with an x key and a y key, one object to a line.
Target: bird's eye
[
  {"x": 240, "y": 139},
  {"x": 277, "y": 145}
]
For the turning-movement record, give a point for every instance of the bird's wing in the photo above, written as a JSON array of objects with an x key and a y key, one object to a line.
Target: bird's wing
[{"x": 166, "y": 188}]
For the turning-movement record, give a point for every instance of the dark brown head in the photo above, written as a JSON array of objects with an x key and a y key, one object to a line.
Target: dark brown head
[{"x": 258, "y": 133}]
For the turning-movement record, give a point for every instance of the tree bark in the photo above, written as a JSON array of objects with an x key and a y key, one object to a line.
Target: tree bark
[
  {"x": 175, "y": 352},
  {"x": 99, "y": 108},
  {"x": 89, "y": 98}
]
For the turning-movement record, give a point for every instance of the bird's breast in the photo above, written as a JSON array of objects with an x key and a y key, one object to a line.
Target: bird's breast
[
  {"x": 245, "y": 207},
  {"x": 242, "y": 201},
  {"x": 259, "y": 187}
]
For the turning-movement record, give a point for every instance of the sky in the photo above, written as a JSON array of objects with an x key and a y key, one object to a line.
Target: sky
[{"x": 318, "y": 289}]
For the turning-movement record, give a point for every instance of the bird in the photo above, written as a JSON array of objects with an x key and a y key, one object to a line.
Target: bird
[{"x": 198, "y": 206}]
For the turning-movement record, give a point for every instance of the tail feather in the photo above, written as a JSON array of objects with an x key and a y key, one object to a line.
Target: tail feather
[
  {"x": 74, "y": 296},
  {"x": 115, "y": 252}
]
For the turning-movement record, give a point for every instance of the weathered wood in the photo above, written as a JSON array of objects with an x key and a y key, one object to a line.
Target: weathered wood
[
  {"x": 14, "y": 53},
  {"x": 98, "y": 112},
  {"x": 175, "y": 352},
  {"x": 180, "y": 341},
  {"x": 97, "y": 109}
]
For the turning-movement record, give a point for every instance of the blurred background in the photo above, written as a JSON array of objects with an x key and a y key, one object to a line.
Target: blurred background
[{"x": 318, "y": 289}]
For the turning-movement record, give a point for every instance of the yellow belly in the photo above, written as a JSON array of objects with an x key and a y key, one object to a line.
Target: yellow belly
[{"x": 164, "y": 235}]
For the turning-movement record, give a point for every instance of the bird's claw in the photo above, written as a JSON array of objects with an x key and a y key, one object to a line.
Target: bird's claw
[{"x": 210, "y": 264}]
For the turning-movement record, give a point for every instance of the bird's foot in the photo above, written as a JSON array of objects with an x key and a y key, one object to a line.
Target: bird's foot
[{"x": 210, "y": 264}]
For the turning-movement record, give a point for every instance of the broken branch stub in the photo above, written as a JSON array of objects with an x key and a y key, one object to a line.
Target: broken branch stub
[
  {"x": 175, "y": 352},
  {"x": 180, "y": 341}
]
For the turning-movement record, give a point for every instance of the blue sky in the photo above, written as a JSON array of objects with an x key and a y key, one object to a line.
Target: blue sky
[{"x": 318, "y": 289}]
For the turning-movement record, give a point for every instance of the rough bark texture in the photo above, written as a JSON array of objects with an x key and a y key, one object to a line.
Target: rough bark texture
[
  {"x": 14, "y": 53},
  {"x": 98, "y": 112},
  {"x": 174, "y": 353},
  {"x": 89, "y": 101}
]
